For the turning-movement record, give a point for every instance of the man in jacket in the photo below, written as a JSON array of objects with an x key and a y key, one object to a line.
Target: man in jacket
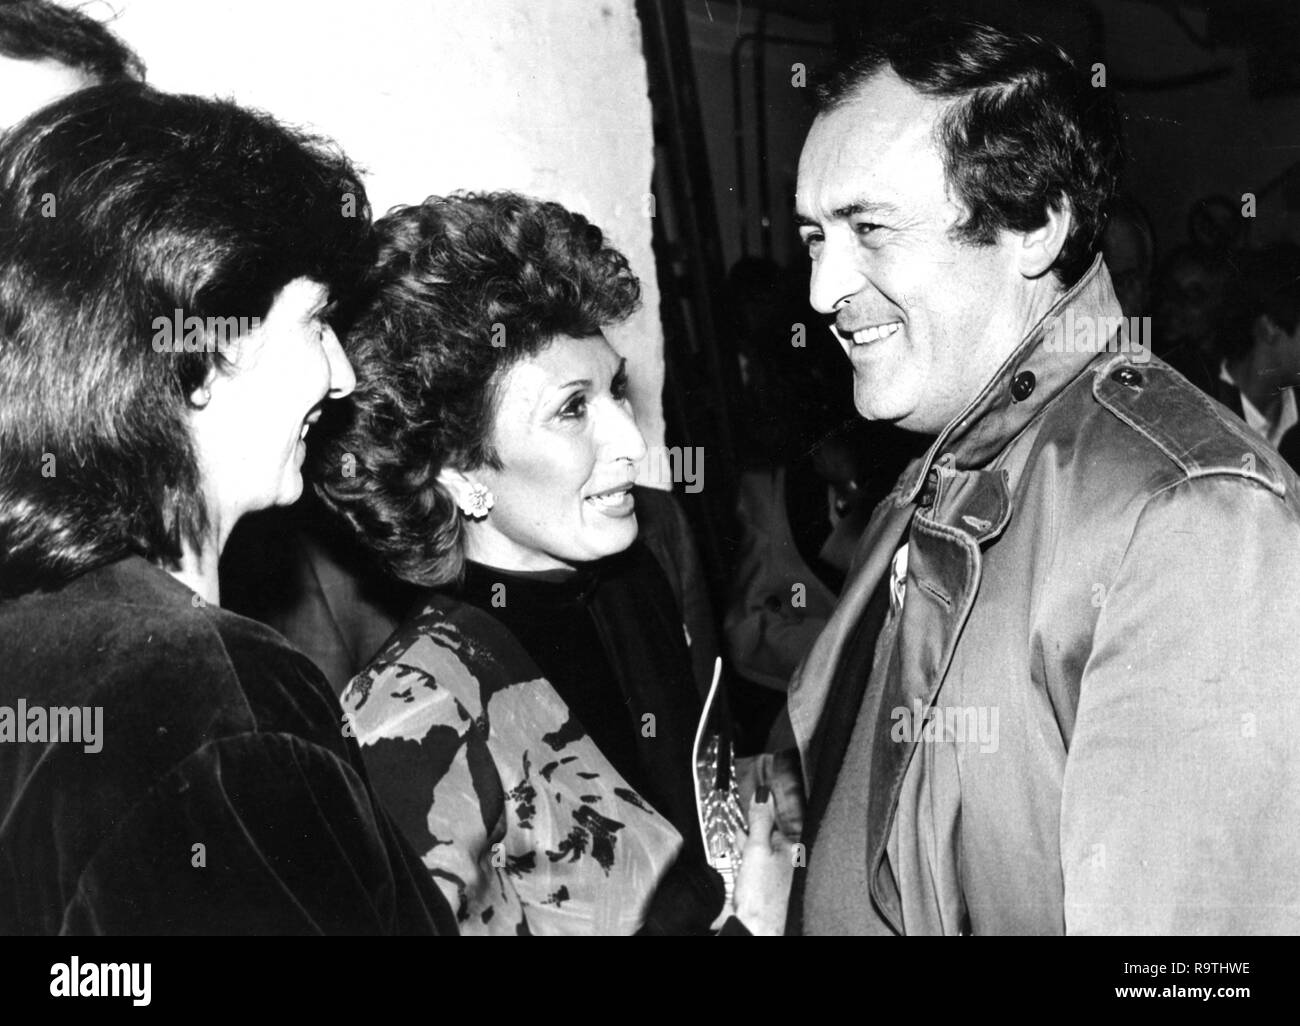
[{"x": 1059, "y": 693}]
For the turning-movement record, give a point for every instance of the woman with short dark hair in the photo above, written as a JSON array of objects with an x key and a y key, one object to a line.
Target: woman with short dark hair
[
  {"x": 532, "y": 726},
  {"x": 166, "y": 267}
]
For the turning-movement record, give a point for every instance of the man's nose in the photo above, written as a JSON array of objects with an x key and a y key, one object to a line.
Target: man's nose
[{"x": 835, "y": 280}]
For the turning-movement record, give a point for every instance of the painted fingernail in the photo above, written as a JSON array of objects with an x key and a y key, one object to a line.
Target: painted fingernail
[{"x": 762, "y": 793}]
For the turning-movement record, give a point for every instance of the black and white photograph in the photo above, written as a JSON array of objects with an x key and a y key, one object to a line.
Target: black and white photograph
[{"x": 678, "y": 468}]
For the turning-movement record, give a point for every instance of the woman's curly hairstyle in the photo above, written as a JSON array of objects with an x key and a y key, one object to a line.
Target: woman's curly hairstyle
[{"x": 464, "y": 287}]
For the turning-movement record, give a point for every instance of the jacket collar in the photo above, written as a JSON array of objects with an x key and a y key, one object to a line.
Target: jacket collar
[{"x": 1029, "y": 379}]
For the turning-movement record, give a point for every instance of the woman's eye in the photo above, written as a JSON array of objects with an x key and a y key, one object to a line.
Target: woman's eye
[
  {"x": 812, "y": 240},
  {"x": 866, "y": 227},
  {"x": 575, "y": 407}
]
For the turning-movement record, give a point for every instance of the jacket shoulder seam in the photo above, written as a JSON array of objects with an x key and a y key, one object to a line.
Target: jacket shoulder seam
[{"x": 1192, "y": 470}]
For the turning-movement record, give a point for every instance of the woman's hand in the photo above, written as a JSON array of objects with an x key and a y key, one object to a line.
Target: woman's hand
[{"x": 763, "y": 883}]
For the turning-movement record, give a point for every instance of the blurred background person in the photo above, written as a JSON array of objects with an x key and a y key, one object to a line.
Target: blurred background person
[
  {"x": 812, "y": 471},
  {"x": 1191, "y": 301},
  {"x": 780, "y": 594},
  {"x": 1129, "y": 248},
  {"x": 1260, "y": 346}
]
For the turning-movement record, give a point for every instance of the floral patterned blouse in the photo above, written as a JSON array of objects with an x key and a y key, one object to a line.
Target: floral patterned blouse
[{"x": 517, "y": 815}]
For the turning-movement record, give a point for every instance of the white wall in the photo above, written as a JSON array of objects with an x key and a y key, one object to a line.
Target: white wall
[{"x": 429, "y": 96}]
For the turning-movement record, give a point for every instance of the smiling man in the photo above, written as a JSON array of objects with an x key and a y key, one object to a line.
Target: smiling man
[{"x": 1089, "y": 555}]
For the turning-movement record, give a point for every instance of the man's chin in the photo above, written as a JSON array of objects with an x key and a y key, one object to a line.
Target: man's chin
[
  {"x": 906, "y": 416},
  {"x": 875, "y": 404}
]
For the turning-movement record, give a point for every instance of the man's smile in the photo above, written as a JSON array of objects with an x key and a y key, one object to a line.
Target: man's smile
[{"x": 865, "y": 336}]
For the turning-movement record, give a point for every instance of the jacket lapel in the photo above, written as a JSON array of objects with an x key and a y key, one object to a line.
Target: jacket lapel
[
  {"x": 810, "y": 687},
  {"x": 943, "y": 575}
]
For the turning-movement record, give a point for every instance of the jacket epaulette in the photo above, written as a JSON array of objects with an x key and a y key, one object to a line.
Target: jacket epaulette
[{"x": 1201, "y": 438}]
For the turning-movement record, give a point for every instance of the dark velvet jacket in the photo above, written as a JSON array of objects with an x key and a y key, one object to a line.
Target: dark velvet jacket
[{"x": 225, "y": 799}]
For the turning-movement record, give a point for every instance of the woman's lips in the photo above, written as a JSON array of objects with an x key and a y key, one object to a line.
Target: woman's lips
[
  {"x": 309, "y": 421},
  {"x": 613, "y": 501}
]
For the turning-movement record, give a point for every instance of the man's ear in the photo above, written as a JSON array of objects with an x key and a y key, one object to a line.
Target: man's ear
[{"x": 1040, "y": 248}]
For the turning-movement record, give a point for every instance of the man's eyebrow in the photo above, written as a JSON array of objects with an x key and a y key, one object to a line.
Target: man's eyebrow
[
  {"x": 854, "y": 209},
  {"x": 864, "y": 207}
]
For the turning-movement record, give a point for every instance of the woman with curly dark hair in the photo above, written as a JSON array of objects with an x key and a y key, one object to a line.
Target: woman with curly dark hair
[
  {"x": 166, "y": 265},
  {"x": 532, "y": 726}
]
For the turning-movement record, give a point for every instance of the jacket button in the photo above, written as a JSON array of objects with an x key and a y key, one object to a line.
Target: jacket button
[
  {"x": 1127, "y": 376},
  {"x": 1023, "y": 386}
]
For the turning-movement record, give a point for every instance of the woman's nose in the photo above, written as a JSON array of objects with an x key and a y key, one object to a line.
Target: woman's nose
[
  {"x": 342, "y": 378},
  {"x": 625, "y": 441}
]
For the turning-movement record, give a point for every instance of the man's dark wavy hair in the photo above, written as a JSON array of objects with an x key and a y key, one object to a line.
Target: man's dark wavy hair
[
  {"x": 38, "y": 30},
  {"x": 1028, "y": 131},
  {"x": 464, "y": 287},
  {"x": 118, "y": 205}
]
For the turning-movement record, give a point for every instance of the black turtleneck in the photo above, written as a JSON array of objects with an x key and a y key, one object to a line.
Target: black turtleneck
[
  {"x": 609, "y": 638},
  {"x": 549, "y": 612}
]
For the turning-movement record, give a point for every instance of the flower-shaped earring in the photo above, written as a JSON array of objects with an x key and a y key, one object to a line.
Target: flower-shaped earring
[{"x": 479, "y": 502}]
